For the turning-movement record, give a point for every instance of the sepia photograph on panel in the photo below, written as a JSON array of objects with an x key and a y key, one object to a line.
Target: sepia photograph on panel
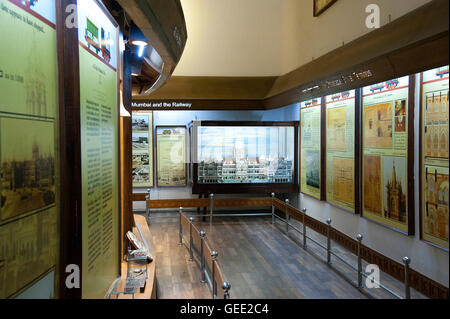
[
  {"x": 372, "y": 184},
  {"x": 378, "y": 126},
  {"x": 27, "y": 166},
  {"x": 337, "y": 124},
  {"x": 436, "y": 218},
  {"x": 343, "y": 180},
  {"x": 313, "y": 169},
  {"x": 395, "y": 189}
]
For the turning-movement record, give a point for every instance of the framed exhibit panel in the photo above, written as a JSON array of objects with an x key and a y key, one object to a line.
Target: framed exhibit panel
[
  {"x": 99, "y": 118},
  {"x": 387, "y": 153},
  {"x": 310, "y": 148},
  {"x": 340, "y": 149},
  {"x": 434, "y": 160},
  {"x": 244, "y": 157},
  {"x": 142, "y": 148},
  {"x": 321, "y": 5},
  {"x": 29, "y": 161},
  {"x": 171, "y": 166}
]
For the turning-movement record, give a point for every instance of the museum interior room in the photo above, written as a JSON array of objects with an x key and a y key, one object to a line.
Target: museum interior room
[{"x": 220, "y": 150}]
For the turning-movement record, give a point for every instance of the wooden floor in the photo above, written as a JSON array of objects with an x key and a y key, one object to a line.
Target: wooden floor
[{"x": 258, "y": 259}]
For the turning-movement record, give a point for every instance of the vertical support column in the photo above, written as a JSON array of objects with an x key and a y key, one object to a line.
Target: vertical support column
[
  {"x": 202, "y": 255},
  {"x": 191, "y": 248},
  {"x": 288, "y": 217},
  {"x": 214, "y": 255},
  {"x": 407, "y": 261},
  {"x": 359, "y": 238},
  {"x": 304, "y": 228},
  {"x": 226, "y": 286},
  {"x": 329, "y": 241},
  {"x": 147, "y": 204},
  {"x": 273, "y": 208},
  {"x": 181, "y": 227},
  {"x": 211, "y": 208}
]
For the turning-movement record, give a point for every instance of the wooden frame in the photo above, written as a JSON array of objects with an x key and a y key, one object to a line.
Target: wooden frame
[
  {"x": 153, "y": 147},
  {"x": 356, "y": 154},
  {"x": 322, "y": 157},
  {"x": 421, "y": 165},
  {"x": 251, "y": 188},
  {"x": 70, "y": 147},
  {"x": 409, "y": 161},
  {"x": 318, "y": 10},
  {"x": 185, "y": 153}
]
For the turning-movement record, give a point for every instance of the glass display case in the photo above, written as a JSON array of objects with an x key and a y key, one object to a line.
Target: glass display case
[{"x": 238, "y": 157}]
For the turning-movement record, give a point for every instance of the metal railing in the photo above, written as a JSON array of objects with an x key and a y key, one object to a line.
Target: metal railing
[
  {"x": 208, "y": 263},
  {"x": 330, "y": 252},
  {"x": 285, "y": 208},
  {"x": 211, "y": 207}
]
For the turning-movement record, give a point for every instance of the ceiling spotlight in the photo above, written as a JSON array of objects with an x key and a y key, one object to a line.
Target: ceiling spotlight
[{"x": 137, "y": 37}]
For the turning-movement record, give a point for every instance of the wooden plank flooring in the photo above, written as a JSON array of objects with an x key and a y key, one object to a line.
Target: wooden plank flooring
[{"x": 259, "y": 261}]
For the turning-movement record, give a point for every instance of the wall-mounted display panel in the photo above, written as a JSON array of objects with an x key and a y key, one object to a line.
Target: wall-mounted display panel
[
  {"x": 434, "y": 166},
  {"x": 99, "y": 114},
  {"x": 243, "y": 156},
  {"x": 387, "y": 178},
  {"x": 310, "y": 147},
  {"x": 29, "y": 161},
  {"x": 340, "y": 149},
  {"x": 171, "y": 167},
  {"x": 142, "y": 148}
]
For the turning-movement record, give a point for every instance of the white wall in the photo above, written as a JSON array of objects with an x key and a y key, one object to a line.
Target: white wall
[
  {"x": 271, "y": 37},
  {"x": 306, "y": 37}
]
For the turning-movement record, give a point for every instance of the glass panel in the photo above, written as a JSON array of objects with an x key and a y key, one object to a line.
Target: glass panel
[{"x": 244, "y": 154}]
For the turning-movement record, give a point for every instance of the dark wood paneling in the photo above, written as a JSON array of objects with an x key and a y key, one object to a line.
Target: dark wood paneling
[
  {"x": 70, "y": 149},
  {"x": 126, "y": 151},
  {"x": 358, "y": 150},
  {"x": 323, "y": 148},
  {"x": 410, "y": 155}
]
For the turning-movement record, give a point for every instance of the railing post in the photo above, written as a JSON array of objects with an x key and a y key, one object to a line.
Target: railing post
[
  {"x": 191, "y": 250},
  {"x": 214, "y": 255},
  {"x": 226, "y": 286},
  {"x": 288, "y": 217},
  {"x": 359, "y": 238},
  {"x": 329, "y": 241},
  {"x": 304, "y": 228},
  {"x": 273, "y": 208},
  {"x": 407, "y": 261},
  {"x": 202, "y": 255},
  {"x": 181, "y": 227},
  {"x": 147, "y": 203},
  {"x": 211, "y": 208}
]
